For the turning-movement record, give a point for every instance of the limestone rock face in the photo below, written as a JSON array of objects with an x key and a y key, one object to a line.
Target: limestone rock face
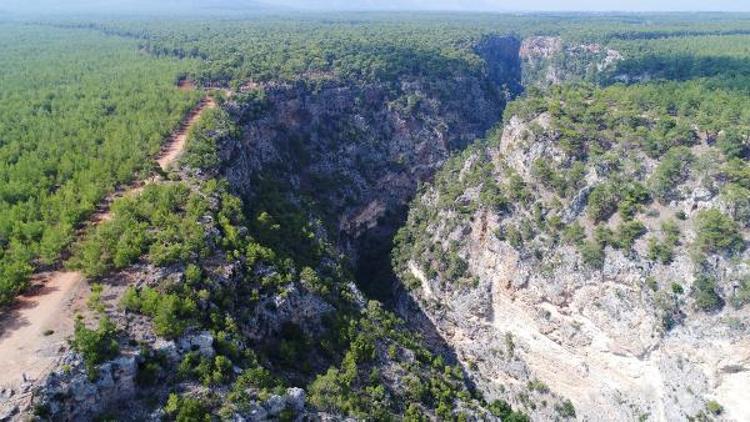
[
  {"x": 296, "y": 305},
  {"x": 538, "y": 48},
  {"x": 203, "y": 343},
  {"x": 549, "y": 60},
  {"x": 295, "y": 397},
  {"x": 532, "y": 322},
  {"x": 70, "y": 394}
]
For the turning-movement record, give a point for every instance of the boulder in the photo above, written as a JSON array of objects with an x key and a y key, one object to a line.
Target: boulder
[
  {"x": 275, "y": 405},
  {"x": 258, "y": 413},
  {"x": 202, "y": 342},
  {"x": 167, "y": 348},
  {"x": 295, "y": 398}
]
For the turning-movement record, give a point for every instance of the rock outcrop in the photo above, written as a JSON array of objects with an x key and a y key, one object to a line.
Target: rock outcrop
[
  {"x": 548, "y": 60},
  {"x": 533, "y": 323},
  {"x": 70, "y": 393}
]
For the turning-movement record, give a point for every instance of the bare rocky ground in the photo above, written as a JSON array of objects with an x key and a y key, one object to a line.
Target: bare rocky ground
[{"x": 36, "y": 331}]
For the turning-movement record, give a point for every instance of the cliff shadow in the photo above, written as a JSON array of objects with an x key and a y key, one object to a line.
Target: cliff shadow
[{"x": 377, "y": 279}]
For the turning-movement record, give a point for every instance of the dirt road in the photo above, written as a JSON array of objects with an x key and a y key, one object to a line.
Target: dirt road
[
  {"x": 36, "y": 328},
  {"x": 34, "y": 331},
  {"x": 176, "y": 144}
]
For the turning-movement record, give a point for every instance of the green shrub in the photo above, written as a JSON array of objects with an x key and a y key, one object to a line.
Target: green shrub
[
  {"x": 742, "y": 292},
  {"x": 492, "y": 196},
  {"x": 671, "y": 171},
  {"x": 603, "y": 201},
  {"x": 517, "y": 189},
  {"x": 538, "y": 386},
  {"x": 663, "y": 251},
  {"x": 733, "y": 144},
  {"x": 717, "y": 233},
  {"x": 94, "y": 301},
  {"x": 671, "y": 232},
  {"x": 628, "y": 232},
  {"x": 704, "y": 292},
  {"x": 575, "y": 234},
  {"x": 633, "y": 195},
  {"x": 171, "y": 313},
  {"x": 604, "y": 236},
  {"x": 96, "y": 346},
  {"x": 457, "y": 267},
  {"x": 186, "y": 409},
  {"x": 737, "y": 199},
  {"x": 258, "y": 377},
  {"x": 547, "y": 175},
  {"x": 737, "y": 171},
  {"x": 513, "y": 236},
  {"x": 209, "y": 371},
  {"x": 414, "y": 414},
  {"x": 668, "y": 309},
  {"x": 130, "y": 300},
  {"x": 332, "y": 391},
  {"x": 593, "y": 254},
  {"x": 713, "y": 407},
  {"x": 659, "y": 251},
  {"x": 502, "y": 410},
  {"x": 677, "y": 289},
  {"x": 566, "y": 409}
]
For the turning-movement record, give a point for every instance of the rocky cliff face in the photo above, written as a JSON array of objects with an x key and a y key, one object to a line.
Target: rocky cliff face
[
  {"x": 536, "y": 323},
  {"x": 361, "y": 149},
  {"x": 549, "y": 60}
]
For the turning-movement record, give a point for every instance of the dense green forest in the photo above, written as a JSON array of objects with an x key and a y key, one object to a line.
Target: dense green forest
[
  {"x": 80, "y": 113},
  {"x": 386, "y": 46},
  {"x": 285, "y": 49},
  {"x": 84, "y": 105},
  {"x": 688, "y": 57}
]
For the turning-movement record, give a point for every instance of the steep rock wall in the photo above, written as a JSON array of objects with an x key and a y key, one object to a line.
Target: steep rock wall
[
  {"x": 532, "y": 322},
  {"x": 361, "y": 149}
]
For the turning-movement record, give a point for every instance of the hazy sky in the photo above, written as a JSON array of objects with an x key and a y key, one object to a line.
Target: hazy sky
[
  {"x": 549, "y": 5},
  {"x": 56, "y": 6}
]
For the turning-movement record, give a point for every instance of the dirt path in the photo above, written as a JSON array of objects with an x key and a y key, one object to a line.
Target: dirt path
[
  {"x": 36, "y": 328},
  {"x": 176, "y": 143},
  {"x": 34, "y": 331}
]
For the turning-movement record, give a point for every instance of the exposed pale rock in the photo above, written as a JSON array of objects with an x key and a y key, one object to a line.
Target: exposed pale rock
[
  {"x": 594, "y": 336},
  {"x": 295, "y": 397},
  {"x": 201, "y": 342},
  {"x": 275, "y": 405}
]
